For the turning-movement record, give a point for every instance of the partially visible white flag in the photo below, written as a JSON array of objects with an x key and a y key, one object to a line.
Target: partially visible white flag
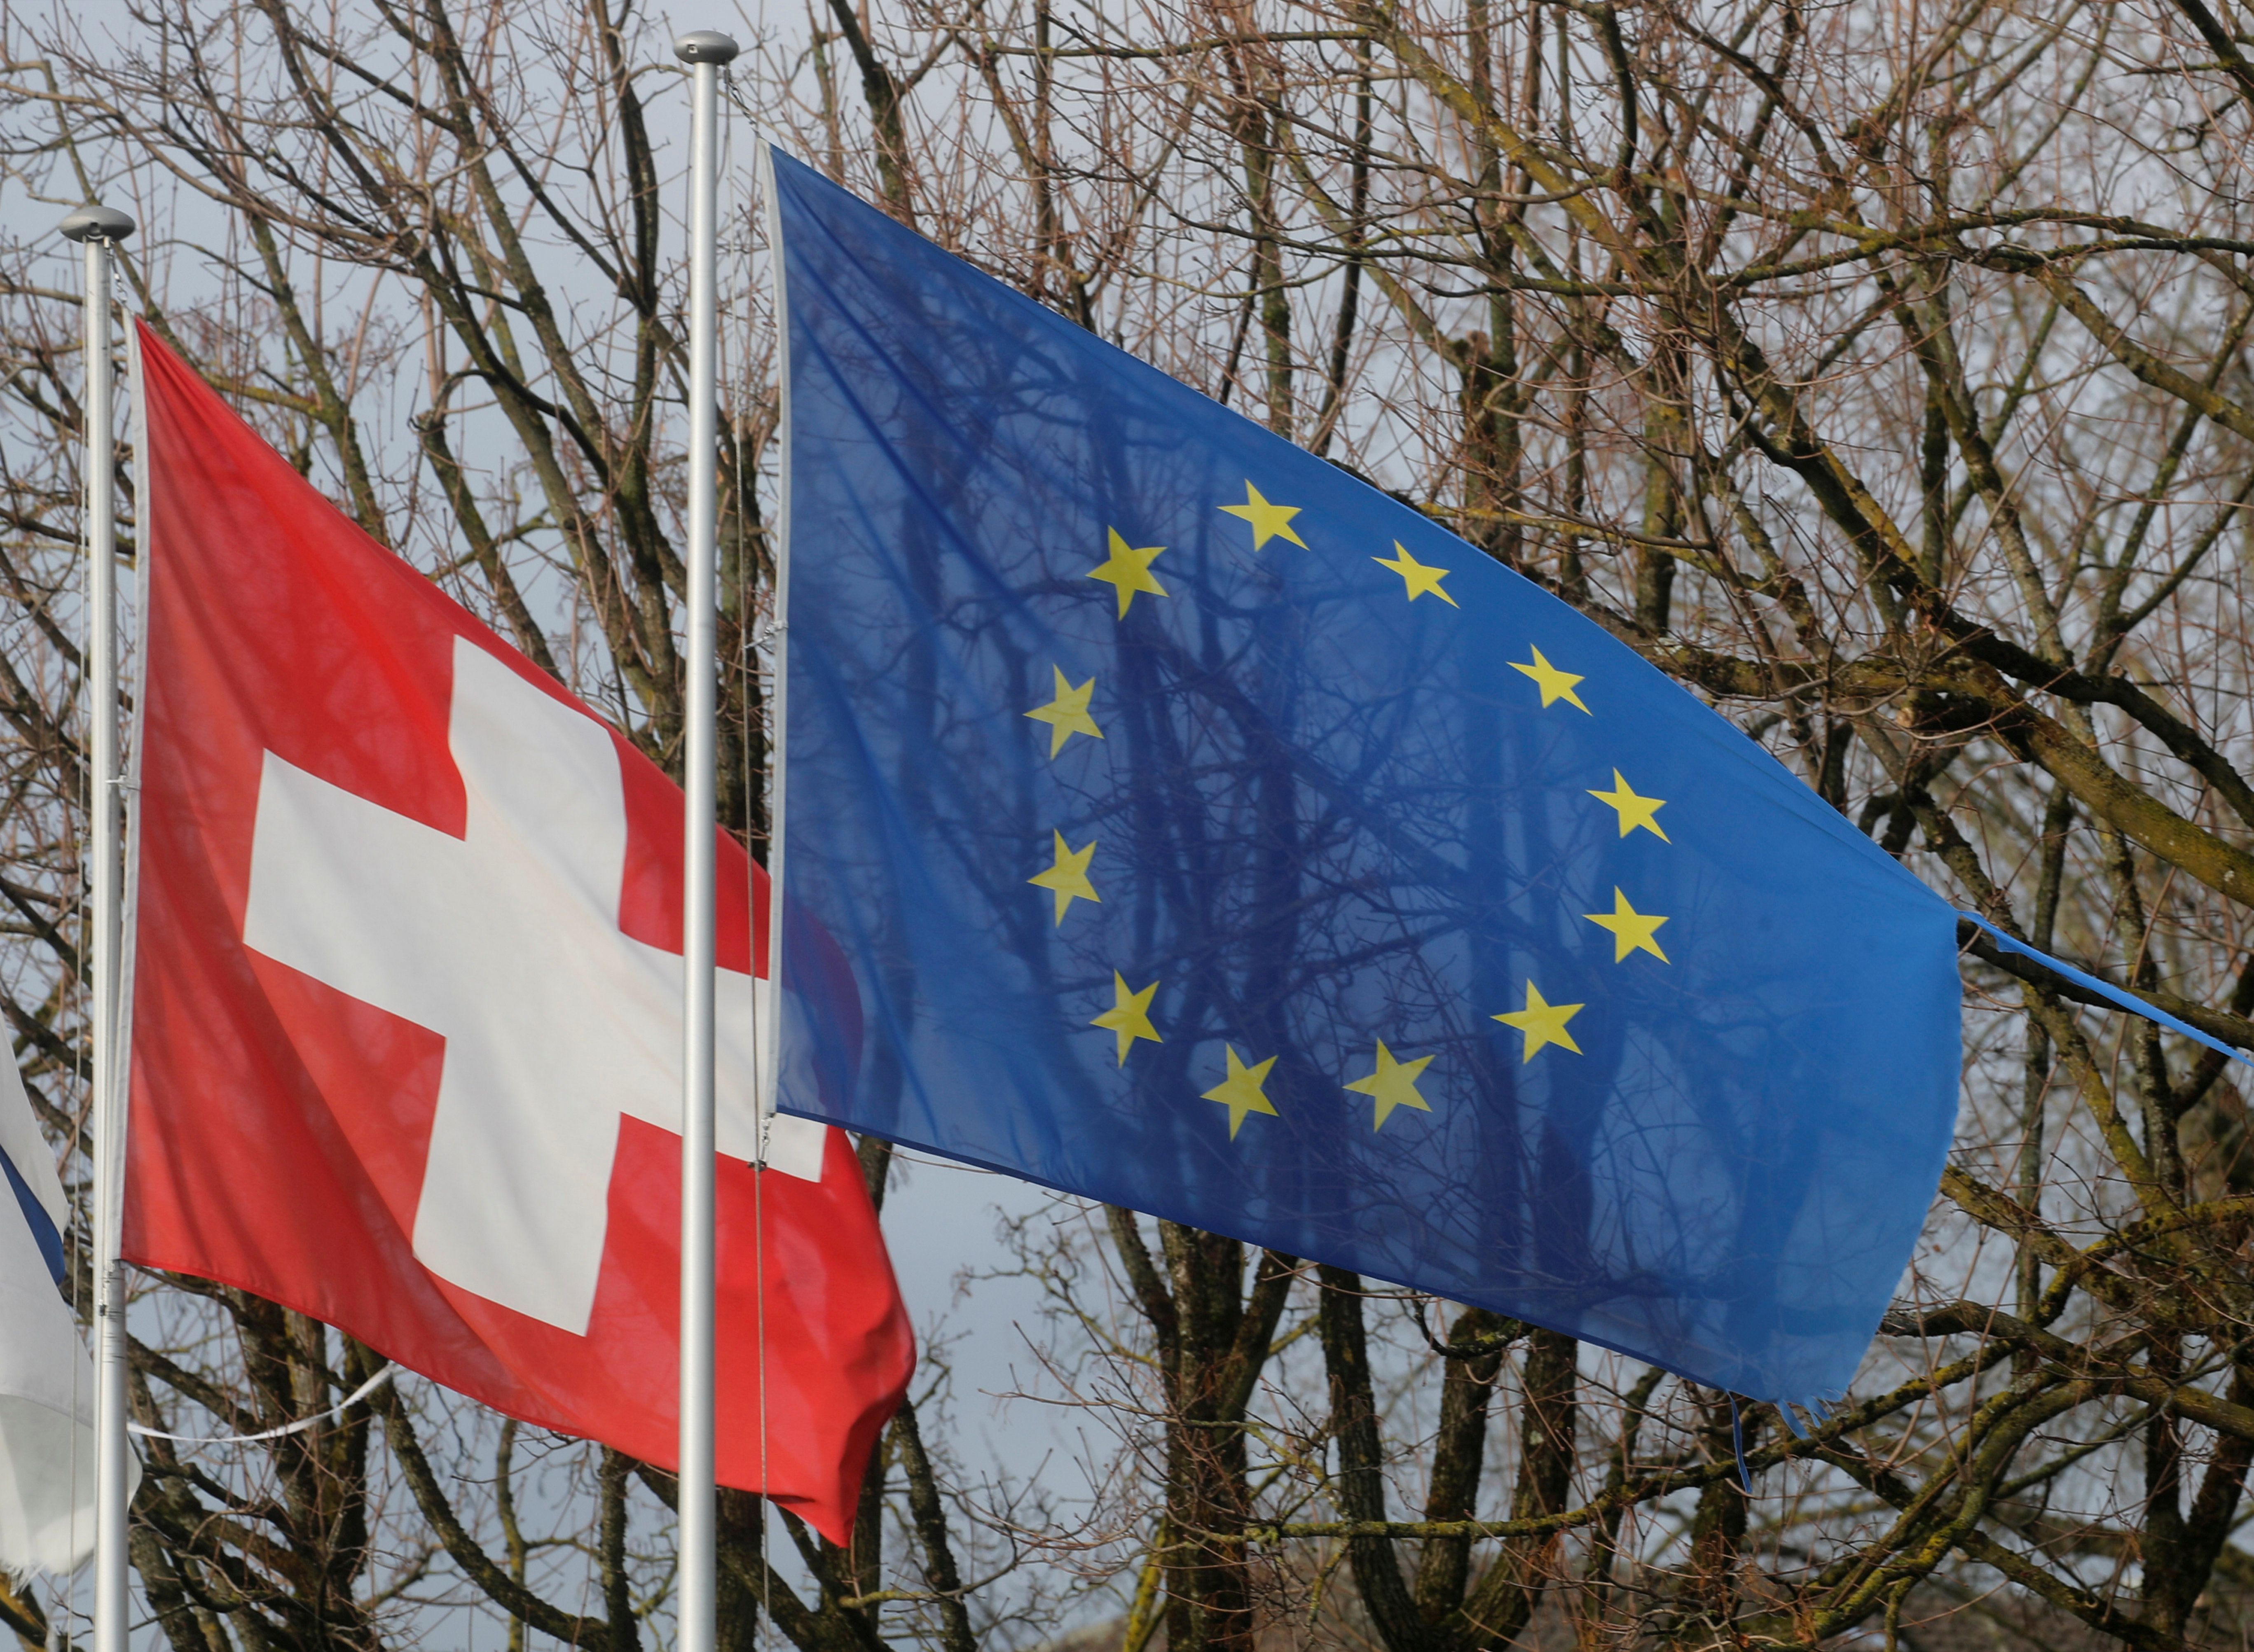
[{"x": 46, "y": 1381}]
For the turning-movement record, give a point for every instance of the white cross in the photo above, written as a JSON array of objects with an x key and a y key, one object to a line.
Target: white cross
[{"x": 506, "y": 942}]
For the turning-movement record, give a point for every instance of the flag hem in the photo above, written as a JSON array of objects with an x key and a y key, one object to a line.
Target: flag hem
[
  {"x": 129, "y": 892},
  {"x": 767, "y": 1050}
]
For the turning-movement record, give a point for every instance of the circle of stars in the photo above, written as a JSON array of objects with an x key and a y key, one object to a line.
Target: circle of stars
[{"x": 1392, "y": 1085}]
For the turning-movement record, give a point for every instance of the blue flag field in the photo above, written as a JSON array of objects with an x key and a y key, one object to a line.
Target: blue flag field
[{"x": 1206, "y": 832}]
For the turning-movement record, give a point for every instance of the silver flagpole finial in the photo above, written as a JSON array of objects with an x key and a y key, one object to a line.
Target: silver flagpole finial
[
  {"x": 705, "y": 45},
  {"x": 96, "y": 222}
]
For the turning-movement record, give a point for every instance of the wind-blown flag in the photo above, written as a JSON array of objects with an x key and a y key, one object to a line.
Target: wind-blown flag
[
  {"x": 1211, "y": 834},
  {"x": 407, "y": 1016},
  {"x": 47, "y": 1381}
]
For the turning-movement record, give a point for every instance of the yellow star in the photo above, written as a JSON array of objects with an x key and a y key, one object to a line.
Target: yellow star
[
  {"x": 1419, "y": 578},
  {"x": 1394, "y": 1083},
  {"x": 1632, "y": 930},
  {"x": 1542, "y": 1023},
  {"x": 1269, "y": 521},
  {"x": 1067, "y": 879},
  {"x": 1066, "y": 714},
  {"x": 1240, "y": 1092},
  {"x": 1555, "y": 685},
  {"x": 1129, "y": 1016},
  {"x": 1633, "y": 810},
  {"x": 1128, "y": 570}
]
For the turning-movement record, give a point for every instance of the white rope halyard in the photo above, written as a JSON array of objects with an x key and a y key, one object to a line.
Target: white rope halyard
[{"x": 298, "y": 1427}]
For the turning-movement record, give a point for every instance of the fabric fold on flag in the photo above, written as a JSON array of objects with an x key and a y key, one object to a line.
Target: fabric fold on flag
[{"x": 1210, "y": 833}]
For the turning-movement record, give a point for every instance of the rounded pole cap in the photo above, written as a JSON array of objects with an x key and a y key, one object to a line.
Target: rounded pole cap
[
  {"x": 95, "y": 222},
  {"x": 705, "y": 45}
]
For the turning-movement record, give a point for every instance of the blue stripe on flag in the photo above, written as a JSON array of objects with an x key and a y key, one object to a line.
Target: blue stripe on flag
[{"x": 42, "y": 1227}]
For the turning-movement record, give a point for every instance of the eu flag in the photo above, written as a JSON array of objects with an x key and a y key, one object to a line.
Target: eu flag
[{"x": 1206, "y": 832}]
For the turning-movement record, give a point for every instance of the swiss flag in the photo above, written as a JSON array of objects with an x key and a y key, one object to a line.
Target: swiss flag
[{"x": 407, "y": 998}]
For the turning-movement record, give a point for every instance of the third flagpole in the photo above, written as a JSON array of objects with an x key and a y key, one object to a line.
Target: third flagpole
[
  {"x": 98, "y": 229},
  {"x": 706, "y": 52}
]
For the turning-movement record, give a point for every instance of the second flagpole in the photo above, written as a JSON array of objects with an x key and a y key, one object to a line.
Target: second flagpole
[
  {"x": 706, "y": 52},
  {"x": 100, "y": 229}
]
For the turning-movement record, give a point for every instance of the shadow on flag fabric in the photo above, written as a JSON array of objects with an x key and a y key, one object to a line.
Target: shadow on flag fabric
[
  {"x": 1210, "y": 833},
  {"x": 46, "y": 1381},
  {"x": 407, "y": 1001}
]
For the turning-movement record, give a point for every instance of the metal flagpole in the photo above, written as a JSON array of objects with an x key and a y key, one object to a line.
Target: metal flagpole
[
  {"x": 100, "y": 228},
  {"x": 705, "y": 50}
]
